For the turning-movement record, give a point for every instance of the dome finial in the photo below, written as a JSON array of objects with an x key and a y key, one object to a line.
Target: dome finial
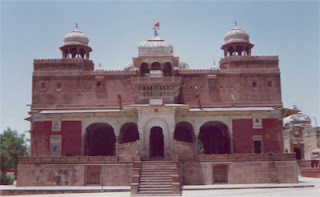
[
  {"x": 77, "y": 25},
  {"x": 235, "y": 24},
  {"x": 99, "y": 67},
  {"x": 214, "y": 65}
]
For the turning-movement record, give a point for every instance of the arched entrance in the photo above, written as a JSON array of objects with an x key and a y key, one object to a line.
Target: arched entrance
[
  {"x": 99, "y": 140},
  {"x": 215, "y": 138},
  {"x": 128, "y": 133},
  {"x": 156, "y": 142},
  {"x": 184, "y": 132}
]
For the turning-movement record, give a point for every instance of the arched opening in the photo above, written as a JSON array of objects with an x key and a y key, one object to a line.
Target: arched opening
[
  {"x": 167, "y": 70},
  {"x": 73, "y": 52},
  {"x": 155, "y": 66},
  {"x": 82, "y": 52},
  {"x": 184, "y": 132},
  {"x": 128, "y": 133},
  {"x": 247, "y": 51},
  {"x": 156, "y": 142},
  {"x": 230, "y": 50},
  {"x": 144, "y": 70},
  {"x": 215, "y": 138},
  {"x": 99, "y": 140},
  {"x": 65, "y": 53},
  {"x": 239, "y": 50},
  {"x": 254, "y": 84}
]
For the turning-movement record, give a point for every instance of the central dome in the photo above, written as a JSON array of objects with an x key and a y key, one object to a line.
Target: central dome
[
  {"x": 155, "y": 47},
  {"x": 236, "y": 35},
  {"x": 76, "y": 37}
]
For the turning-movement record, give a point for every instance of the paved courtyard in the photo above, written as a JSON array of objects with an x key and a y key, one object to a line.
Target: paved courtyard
[{"x": 306, "y": 191}]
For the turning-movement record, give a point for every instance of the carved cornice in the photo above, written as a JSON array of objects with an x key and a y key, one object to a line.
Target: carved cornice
[
  {"x": 80, "y": 72},
  {"x": 230, "y": 71},
  {"x": 60, "y": 61}
]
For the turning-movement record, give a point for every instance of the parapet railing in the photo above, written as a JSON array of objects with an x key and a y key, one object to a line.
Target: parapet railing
[
  {"x": 68, "y": 159},
  {"x": 185, "y": 143},
  {"x": 127, "y": 144},
  {"x": 247, "y": 157},
  {"x": 155, "y": 80}
]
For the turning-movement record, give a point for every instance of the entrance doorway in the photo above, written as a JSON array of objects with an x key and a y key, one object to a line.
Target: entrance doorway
[
  {"x": 215, "y": 138},
  {"x": 156, "y": 143},
  {"x": 297, "y": 150},
  {"x": 99, "y": 140}
]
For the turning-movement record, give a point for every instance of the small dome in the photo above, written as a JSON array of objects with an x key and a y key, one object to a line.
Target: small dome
[
  {"x": 130, "y": 67},
  {"x": 183, "y": 65},
  {"x": 297, "y": 118},
  {"x": 316, "y": 151},
  {"x": 76, "y": 38},
  {"x": 155, "y": 47},
  {"x": 236, "y": 35},
  {"x": 99, "y": 68}
]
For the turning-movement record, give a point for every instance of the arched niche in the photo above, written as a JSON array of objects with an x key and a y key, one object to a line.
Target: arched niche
[
  {"x": 144, "y": 70},
  {"x": 99, "y": 140},
  {"x": 184, "y": 132},
  {"x": 215, "y": 138},
  {"x": 167, "y": 69},
  {"x": 128, "y": 133}
]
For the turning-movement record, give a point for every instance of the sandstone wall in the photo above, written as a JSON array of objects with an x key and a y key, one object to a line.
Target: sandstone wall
[{"x": 199, "y": 173}]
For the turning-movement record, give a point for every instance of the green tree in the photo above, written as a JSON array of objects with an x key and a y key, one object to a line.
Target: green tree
[{"x": 12, "y": 145}]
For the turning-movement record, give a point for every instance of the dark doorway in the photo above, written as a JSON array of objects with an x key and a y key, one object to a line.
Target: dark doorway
[
  {"x": 184, "y": 132},
  {"x": 257, "y": 146},
  {"x": 156, "y": 142},
  {"x": 128, "y": 133},
  {"x": 297, "y": 150},
  {"x": 100, "y": 140},
  {"x": 215, "y": 138}
]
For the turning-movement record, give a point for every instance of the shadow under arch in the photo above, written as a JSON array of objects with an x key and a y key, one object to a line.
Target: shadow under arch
[
  {"x": 129, "y": 133},
  {"x": 99, "y": 140},
  {"x": 215, "y": 138},
  {"x": 184, "y": 132}
]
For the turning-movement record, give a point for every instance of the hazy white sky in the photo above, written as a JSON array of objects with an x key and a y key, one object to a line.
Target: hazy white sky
[{"x": 36, "y": 29}]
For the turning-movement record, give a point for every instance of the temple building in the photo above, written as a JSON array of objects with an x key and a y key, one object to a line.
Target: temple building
[
  {"x": 217, "y": 125},
  {"x": 300, "y": 137}
]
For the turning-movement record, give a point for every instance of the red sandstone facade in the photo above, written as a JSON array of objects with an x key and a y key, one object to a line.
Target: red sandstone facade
[{"x": 224, "y": 124}]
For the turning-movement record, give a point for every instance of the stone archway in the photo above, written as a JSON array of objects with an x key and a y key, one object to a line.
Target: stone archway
[
  {"x": 99, "y": 140},
  {"x": 145, "y": 138},
  {"x": 184, "y": 132},
  {"x": 215, "y": 138},
  {"x": 128, "y": 133}
]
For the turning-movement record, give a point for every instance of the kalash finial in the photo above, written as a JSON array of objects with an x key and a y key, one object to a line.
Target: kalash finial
[
  {"x": 235, "y": 24},
  {"x": 155, "y": 28},
  {"x": 76, "y": 29},
  {"x": 214, "y": 65}
]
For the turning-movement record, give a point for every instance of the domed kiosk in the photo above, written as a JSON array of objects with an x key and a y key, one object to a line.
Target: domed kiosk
[
  {"x": 76, "y": 45},
  {"x": 237, "y": 43}
]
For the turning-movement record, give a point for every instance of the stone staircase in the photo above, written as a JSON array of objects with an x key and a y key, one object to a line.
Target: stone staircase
[{"x": 156, "y": 178}]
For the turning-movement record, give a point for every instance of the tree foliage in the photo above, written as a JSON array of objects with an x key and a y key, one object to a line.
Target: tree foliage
[{"x": 12, "y": 145}]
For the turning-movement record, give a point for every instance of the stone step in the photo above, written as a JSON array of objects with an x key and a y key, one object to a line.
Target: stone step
[
  {"x": 169, "y": 173},
  {"x": 155, "y": 182},
  {"x": 155, "y": 170},
  {"x": 155, "y": 175},
  {"x": 156, "y": 179},
  {"x": 156, "y": 189},
  {"x": 157, "y": 166}
]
